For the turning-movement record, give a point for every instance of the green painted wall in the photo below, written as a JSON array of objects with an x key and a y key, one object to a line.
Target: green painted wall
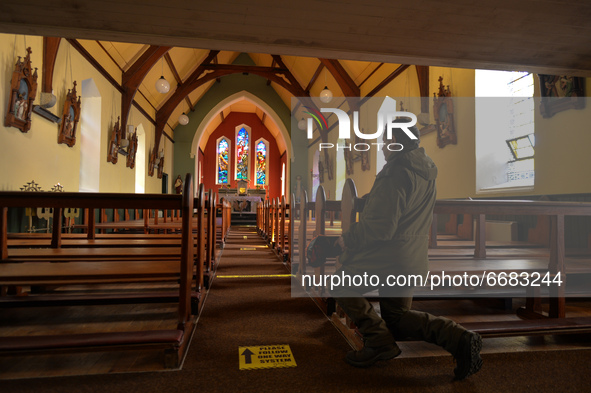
[{"x": 229, "y": 85}]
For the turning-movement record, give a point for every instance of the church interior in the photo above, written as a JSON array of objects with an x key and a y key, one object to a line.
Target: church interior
[{"x": 166, "y": 165}]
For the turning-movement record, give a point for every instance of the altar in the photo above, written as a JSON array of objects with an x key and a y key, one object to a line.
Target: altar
[
  {"x": 243, "y": 203},
  {"x": 243, "y": 199}
]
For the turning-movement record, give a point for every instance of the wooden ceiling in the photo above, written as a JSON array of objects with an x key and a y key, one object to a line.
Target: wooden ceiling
[
  {"x": 133, "y": 69},
  {"x": 181, "y": 39}
]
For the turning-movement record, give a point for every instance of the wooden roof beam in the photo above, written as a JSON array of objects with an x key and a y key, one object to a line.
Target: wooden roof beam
[
  {"x": 272, "y": 65},
  {"x": 177, "y": 78},
  {"x": 217, "y": 71},
  {"x": 50, "y": 48},
  {"x": 297, "y": 90},
  {"x": 423, "y": 76},
  {"x": 133, "y": 77},
  {"x": 344, "y": 80},
  {"x": 182, "y": 91},
  {"x": 310, "y": 84},
  {"x": 84, "y": 53},
  {"x": 296, "y": 87},
  {"x": 215, "y": 61},
  {"x": 385, "y": 82},
  {"x": 314, "y": 77},
  {"x": 371, "y": 73}
]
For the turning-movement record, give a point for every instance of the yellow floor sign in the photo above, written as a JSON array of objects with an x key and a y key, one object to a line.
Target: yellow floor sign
[{"x": 268, "y": 356}]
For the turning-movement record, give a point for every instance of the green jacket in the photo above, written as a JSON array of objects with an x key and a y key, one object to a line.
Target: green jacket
[{"x": 392, "y": 234}]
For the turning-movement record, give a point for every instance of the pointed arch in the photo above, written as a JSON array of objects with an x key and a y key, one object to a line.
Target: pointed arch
[{"x": 283, "y": 139}]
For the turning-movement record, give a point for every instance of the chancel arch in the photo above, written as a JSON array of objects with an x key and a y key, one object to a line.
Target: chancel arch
[
  {"x": 259, "y": 123},
  {"x": 242, "y": 152},
  {"x": 283, "y": 138}
]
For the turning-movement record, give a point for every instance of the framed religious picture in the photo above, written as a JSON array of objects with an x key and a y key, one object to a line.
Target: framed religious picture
[
  {"x": 329, "y": 167},
  {"x": 132, "y": 150},
  {"x": 160, "y": 167},
  {"x": 70, "y": 118},
  {"x": 362, "y": 155},
  {"x": 443, "y": 111},
  {"x": 349, "y": 162},
  {"x": 365, "y": 165},
  {"x": 23, "y": 89},
  {"x": 156, "y": 163},
  {"x": 152, "y": 162},
  {"x": 560, "y": 93},
  {"x": 113, "y": 155}
]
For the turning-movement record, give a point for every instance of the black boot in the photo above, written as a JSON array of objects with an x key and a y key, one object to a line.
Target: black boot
[
  {"x": 369, "y": 355},
  {"x": 468, "y": 355}
]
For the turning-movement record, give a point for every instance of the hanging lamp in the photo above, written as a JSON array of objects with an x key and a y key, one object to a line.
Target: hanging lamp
[
  {"x": 325, "y": 94},
  {"x": 162, "y": 85}
]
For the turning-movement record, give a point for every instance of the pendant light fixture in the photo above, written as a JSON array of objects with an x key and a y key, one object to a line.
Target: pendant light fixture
[
  {"x": 183, "y": 119},
  {"x": 302, "y": 124},
  {"x": 325, "y": 94},
  {"x": 162, "y": 85}
]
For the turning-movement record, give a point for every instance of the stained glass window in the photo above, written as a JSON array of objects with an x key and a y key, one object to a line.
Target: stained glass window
[
  {"x": 223, "y": 161},
  {"x": 242, "y": 154},
  {"x": 261, "y": 164}
]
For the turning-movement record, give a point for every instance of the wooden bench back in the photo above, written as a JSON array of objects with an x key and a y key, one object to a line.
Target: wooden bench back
[
  {"x": 92, "y": 201},
  {"x": 348, "y": 205},
  {"x": 302, "y": 232}
]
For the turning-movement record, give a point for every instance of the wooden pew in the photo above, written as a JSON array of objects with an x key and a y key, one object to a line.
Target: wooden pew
[
  {"x": 225, "y": 212},
  {"x": 556, "y": 211},
  {"x": 179, "y": 267},
  {"x": 482, "y": 261},
  {"x": 306, "y": 231},
  {"x": 287, "y": 228},
  {"x": 144, "y": 220},
  {"x": 263, "y": 218},
  {"x": 273, "y": 224},
  {"x": 260, "y": 208},
  {"x": 283, "y": 229},
  {"x": 322, "y": 209},
  {"x": 211, "y": 232},
  {"x": 269, "y": 221}
]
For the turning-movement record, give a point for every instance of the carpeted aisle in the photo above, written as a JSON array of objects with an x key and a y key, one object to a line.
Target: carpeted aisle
[{"x": 257, "y": 311}]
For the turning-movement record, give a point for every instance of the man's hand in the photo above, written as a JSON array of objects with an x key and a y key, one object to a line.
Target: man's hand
[{"x": 340, "y": 243}]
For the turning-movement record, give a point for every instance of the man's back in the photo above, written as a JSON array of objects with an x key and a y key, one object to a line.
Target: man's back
[{"x": 391, "y": 236}]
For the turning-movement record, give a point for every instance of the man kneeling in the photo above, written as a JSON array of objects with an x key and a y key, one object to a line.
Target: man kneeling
[{"x": 391, "y": 238}]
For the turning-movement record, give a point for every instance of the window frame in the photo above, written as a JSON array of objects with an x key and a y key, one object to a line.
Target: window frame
[
  {"x": 267, "y": 153},
  {"x": 513, "y": 151},
  {"x": 217, "y": 159},
  {"x": 248, "y": 166}
]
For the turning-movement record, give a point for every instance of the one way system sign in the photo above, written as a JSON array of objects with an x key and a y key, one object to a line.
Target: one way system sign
[{"x": 268, "y": 356}]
